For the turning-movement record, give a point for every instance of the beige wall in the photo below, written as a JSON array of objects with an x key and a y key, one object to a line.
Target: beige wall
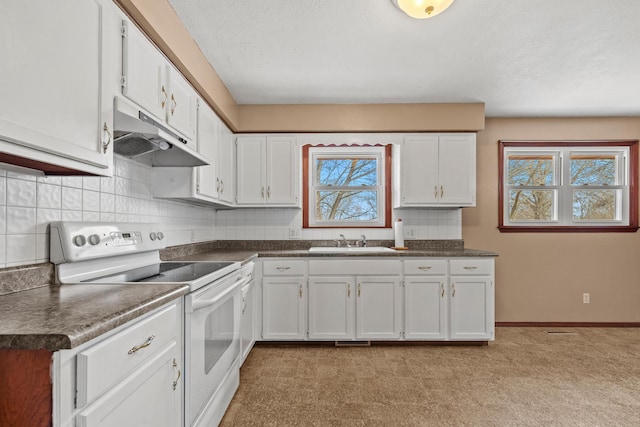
[{"x": 540, "y": 277}]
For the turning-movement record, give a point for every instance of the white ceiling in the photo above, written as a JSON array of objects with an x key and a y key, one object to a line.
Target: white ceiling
[{"x": 519, "y": 57}]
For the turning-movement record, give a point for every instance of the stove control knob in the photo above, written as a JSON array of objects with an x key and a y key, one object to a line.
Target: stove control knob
[
  {"x": 160, "y": 235},
  {"x": 153, "y": 236},
  {"x": 94, "y": 239},
  {"x": 79, "y": 240}
]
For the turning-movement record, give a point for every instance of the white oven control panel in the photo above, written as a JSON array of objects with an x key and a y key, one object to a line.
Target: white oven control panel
[{"x": 77, "y": 241}]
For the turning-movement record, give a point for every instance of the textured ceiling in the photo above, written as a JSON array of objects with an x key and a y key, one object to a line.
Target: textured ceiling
[{"x": 519, "y": 57}]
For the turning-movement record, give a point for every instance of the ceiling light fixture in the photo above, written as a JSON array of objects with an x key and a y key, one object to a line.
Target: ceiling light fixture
[{"x": 421, "y": 9}]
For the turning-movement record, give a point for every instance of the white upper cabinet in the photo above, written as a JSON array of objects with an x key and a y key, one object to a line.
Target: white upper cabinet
[
  {"x": 267, "y": 171},
  {"x": 226, "y": 166},
  {"x": 57, "y": 84},
  {"x": 205, "y": 185},
  {"x": 436, "y": 170},
  {"x": 149, "y": 80}
]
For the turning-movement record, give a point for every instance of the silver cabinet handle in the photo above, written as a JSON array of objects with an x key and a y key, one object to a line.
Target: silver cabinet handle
[
  {"x": 441, "y": 191},
  {"x": 442, "y": 290},
  {"x": 283, "y": 268},
  {"x": 348, "y": 290},
  {"x": 268, "y": 192},
  {"x": 470, "y": 268},
  {"x": 106, "y": 144},
  {"x": 359, "y": 288},
  {"x": 435, "y": 191},
  {"x": 300, "y": 290},
  {"x": 424, "y": 268},
  {"x": 164, "y": 97},
  {"x": 262, "y": 192},
  {"x": 453, "y": 289},
  {"x": 175, "y": 104},
  {"x": 175, "y": 383},
  {"x": 147, "y": 343},
  {"x": 218, "y": 184}
]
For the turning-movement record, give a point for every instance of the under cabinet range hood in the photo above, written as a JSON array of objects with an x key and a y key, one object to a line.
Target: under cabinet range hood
[{"x": 139, "y": 136}]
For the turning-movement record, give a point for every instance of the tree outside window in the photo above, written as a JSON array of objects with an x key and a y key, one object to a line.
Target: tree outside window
[{"x": 568, "y": 186}]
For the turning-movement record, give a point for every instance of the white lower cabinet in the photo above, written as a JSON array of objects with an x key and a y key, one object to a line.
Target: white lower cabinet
[
  {"x": 419, "y": 299},
  {"x": 355, "y": 306},
  {"x": 284, "y": 300},
  {"x": 131, "y": 376}
]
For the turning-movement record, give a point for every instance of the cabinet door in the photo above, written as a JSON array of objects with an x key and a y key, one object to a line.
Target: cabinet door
[
  {"x": 226, "y": 166},
  {"x": 471, "y": 308},
  {"x": 378, "y": 307},
  {"x": 457, "y": 170},
  {"x": 144, "y": 72},
  {"x": 182, "y": 106},
  {"x": 331, "y": 304},
  {"x": 51, "y": 84},
  {"x": 283, "y": 308},
  {"x": 250, "y": 180},
  {"x": 208, "y": 182},
  {"x": 148, "y": 397},
  {"x": 419, "y": 171},
  {"x": 425, "y": 307},
  {"x": 282, "y": 176}
]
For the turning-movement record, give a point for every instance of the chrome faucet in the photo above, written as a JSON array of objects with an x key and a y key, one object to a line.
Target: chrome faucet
[
  {"x": 344, "y": 240},
  {"x": 362, "y": 243}
]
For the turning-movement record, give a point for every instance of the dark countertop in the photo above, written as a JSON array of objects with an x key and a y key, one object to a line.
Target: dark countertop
[
  {"x": 246, "y": 255},
  {"x": 60, "y": 317}
]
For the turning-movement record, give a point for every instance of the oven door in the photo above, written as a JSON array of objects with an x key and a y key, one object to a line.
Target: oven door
[{"x": 212, "y": 340}]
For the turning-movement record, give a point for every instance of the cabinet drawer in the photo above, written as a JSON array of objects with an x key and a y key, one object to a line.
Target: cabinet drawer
[
  {"x": 430, "y": 267},
  {"x": 106, "y": 363},
  {"x": 470, "y": 266},
  {"x": 370, "y": 267},
  {"x": 283, "y": 268}
]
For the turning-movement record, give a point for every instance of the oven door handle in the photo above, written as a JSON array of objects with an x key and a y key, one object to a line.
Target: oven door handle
[{"x": 200, "y": 304}]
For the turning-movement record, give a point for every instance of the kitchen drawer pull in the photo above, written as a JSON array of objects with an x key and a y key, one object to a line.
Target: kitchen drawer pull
[
  {"x": 348, "y": 290},
  {"x": 283, "y": 268},
  {"x": 435, "y": 191},
  {"x": 175, "y": 383},
  {"x": 262, "y": 192},
  {"x": 424, "y": 268},
  {"x": 147, "y": 343},
  {"x": 300, "y": 290},
  {"x": 441, "y": 191},
  {"x": 164, "y": 96},
  {"x": 106, "y": 144},
  {"x": 268, "y": 192},
  {"x": 470, "y": 268},
  {"x": 175, "y": 104},
  {"x": 453, "y": 289},
  {"x": 442, "y": 290},
  {"x": 359, "y": 290}
]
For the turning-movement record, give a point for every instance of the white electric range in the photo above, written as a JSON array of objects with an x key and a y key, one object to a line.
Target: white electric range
[{"x": 129, "y": 253}]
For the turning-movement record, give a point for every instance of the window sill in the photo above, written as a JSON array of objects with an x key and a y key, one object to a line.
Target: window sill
[{"x": 568, "y": 229}]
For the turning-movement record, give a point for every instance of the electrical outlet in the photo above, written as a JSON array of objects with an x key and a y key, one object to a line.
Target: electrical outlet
[
  {"x": 410, "y": 233},
  {"x": 294, "y": 233},
  {"x": 586, "y": 298}
]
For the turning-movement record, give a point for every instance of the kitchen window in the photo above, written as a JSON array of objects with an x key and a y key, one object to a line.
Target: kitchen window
[
  {"x": 346, "y": 186},
  {"x": 568, "y": 186}
]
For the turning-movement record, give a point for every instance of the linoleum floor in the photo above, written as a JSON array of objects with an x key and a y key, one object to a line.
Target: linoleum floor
[{"x": 526, "y": 377}]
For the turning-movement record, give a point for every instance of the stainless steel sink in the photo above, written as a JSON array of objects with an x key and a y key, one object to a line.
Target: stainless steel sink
[{"x": 345, "y": 250}]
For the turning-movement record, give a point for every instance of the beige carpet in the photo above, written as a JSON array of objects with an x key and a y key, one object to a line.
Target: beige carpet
[{"x": 527, "y": 377}]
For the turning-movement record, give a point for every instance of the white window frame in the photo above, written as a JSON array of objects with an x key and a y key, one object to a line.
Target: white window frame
[
  {"x": 563, "y": 189},
  {"x": 377, "y": 152}
]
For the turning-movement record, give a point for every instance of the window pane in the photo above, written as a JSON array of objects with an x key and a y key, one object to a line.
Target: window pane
[
  {"x": 346, "y": 171},
  {"x": 530, "y": 170},
  {"x": 590, "y": 169},
  {"x": 594, "y": 205},
  {"x": 531, "y": 205},
  {"x": 346, "y": 205}
]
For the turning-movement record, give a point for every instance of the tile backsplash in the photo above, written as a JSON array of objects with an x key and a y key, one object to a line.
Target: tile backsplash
[{"x": 29, "y": 203}]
